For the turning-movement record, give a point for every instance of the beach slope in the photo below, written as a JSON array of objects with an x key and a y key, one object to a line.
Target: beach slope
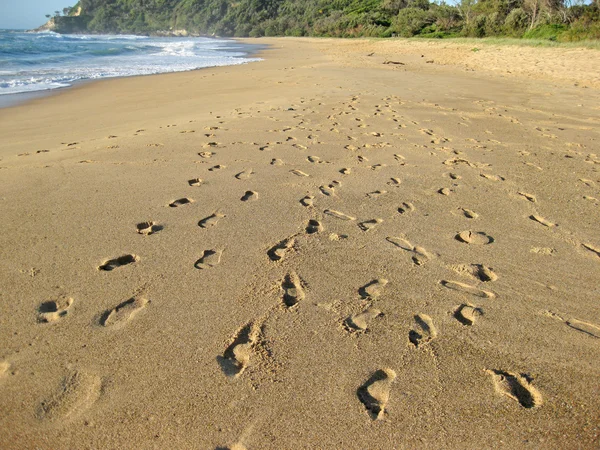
[{"x": 351, "y": 244}]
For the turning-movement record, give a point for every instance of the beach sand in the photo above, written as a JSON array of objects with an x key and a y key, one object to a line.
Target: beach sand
[{"x": 349, "y": 245}]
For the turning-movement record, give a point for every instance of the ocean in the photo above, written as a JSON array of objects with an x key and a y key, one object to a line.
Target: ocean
[{"x": 33, "y": 62}]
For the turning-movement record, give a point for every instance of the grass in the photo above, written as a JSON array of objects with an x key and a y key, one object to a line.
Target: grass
[{"x": 590, "y": 44}]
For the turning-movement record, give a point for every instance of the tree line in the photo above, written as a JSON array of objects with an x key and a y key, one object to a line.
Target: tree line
[{"x": 562, "y": 20}]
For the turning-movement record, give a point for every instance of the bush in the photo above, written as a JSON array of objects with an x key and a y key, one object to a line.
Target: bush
[
  {"x": 257, "y": 31},
  {"x": 446, "y": 17},
  {"x": 295, "y": 31},
  {"x": 392, "y": 7},
  {"x": 410, "y": 21},
  {"x": 550, "y": 32},
  {"x": 580, "y": 31},
  {"x": 494, "y": 24},
  {"x": 477, "y": 27},
  {"x": 516, "y": 22},
  {"x": 421, "y": 4}
]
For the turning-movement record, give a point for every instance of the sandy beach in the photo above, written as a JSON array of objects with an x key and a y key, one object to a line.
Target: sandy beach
[{"x": 352, "y": 244}]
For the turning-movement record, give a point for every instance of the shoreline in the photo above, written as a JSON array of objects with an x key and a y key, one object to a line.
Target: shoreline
[
  {"x": 364, "y": 244},
  {"x": 15, "y": 100},
  {"x": 9, "y": 100}
]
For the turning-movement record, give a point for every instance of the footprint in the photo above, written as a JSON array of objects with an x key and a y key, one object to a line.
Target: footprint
[
  {"x": 236, "y": 356},
  {"x": 328, "y": 190},
  {"x": 211, "y": 220},
  {"x": 276, "y": 162},
  {"x": 457, "y": 161},
  {"x": 369, "y": 225},
  {"x": 529, "y": 197},
  {"x": 533, "y": 165},
  {"x": 123, "y": 313},
  {"x": 346, "y": 171},
  {"x": 299, "y": 173},
  {"x": 543, "y": 250},
  {"x": 467, "y": 289},
  {"x": 444, "y": 191},
  {"x": 314, "y": 226},
  {"x": 77, "y": 392},
  {"x": 148, "y": 228},
  {"x": 55, "y": 309},
  {"x": 337, "y": 237},
  {"x": 118, "y": 262},
  {"x": 209, "y": 258},
  {"x": 314, "y": 159},
  {"x": 406, "y": 207},
  {"x": 307, "y": 201},
  {"x": 492, "y": 177},
  {"x": 469, "y": 214},
  {"x": 292, "y": 290},
  {"x": 375, "y": 392},
  {"x": 518, "y": 387},
  {"x": 195, "y": 182},
  {"x": 584, "y": 327},
  {"x": 479, "y": 271},
  {"x": 424, "y": 331},
  {"x": 474, "y": 237},
  {"x": 373, "y": 289},
  {"x": 420, "y": 255},
  {"x": 180, "y": 202},
  {"x": 278, "y": 251},
  {"x": 217, "y": 167},
  {"x": 377, "y": 166},
  {"x": 359, "y": 322},
  {"x": 250, "y": 196},
  {"x": 376, "y": 194},
  {"x": 540, "y": 219},
  {"x": 245, "y": 174},
  {"x": 338, "y": 214},
  {"x": 395, "y": 182},
  {"x": 466, "y": 314},
  {"x": 206, "y": 155}
]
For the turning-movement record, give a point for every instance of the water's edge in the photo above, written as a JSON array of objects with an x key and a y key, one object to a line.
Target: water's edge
[{"x": 21, "y": 98}]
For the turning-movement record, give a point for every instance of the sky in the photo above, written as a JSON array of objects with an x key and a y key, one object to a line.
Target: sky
[{"x": 27, "y": 14}]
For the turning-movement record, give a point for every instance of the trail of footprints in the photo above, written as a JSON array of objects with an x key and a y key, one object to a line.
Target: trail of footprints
[{"x": 79, "y": 390}]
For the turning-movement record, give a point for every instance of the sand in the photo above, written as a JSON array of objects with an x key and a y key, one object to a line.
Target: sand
[{"x": 318, "y": 251}]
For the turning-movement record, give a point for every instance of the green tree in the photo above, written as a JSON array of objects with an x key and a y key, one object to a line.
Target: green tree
[{"x": 411, "y": 21}]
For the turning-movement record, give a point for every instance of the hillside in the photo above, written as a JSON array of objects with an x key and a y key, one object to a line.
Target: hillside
[{"x": 546, "y": 19}]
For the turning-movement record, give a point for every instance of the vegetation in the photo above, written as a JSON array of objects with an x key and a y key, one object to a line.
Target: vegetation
[{"x": 552, "y": 20}]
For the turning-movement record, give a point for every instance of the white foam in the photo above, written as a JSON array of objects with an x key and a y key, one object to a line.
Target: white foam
[{"x": 151, "y": 56}]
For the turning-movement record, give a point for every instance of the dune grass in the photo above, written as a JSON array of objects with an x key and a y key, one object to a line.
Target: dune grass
[{"x": 475, "y": 42}]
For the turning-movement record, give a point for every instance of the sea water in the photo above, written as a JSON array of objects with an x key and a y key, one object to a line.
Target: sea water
[{"x": 32, "y": 62}]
